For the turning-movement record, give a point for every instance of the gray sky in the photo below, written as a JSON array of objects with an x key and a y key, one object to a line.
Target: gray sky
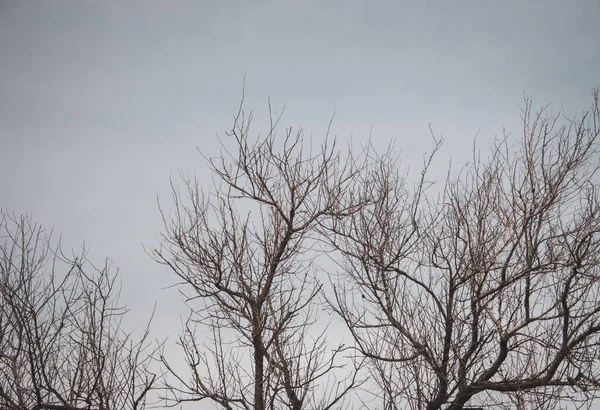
[{"x": 101, "y": 101}]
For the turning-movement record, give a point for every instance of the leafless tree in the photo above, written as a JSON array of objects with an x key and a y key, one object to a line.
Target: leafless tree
[
  {"x": 487, "y": 291},
  {"x": 245, "y": 255},
  {"x": 62, "y": 346}
]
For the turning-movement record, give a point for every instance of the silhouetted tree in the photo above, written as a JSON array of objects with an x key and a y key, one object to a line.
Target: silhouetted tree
[
  {"x": 62, "y": 346},
  {"x": 487, "y": 292},
  {"x": 244, "y": 253}
]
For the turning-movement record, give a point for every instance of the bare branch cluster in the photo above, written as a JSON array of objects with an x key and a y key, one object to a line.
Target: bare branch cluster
[
  {"x": 485, "y": 294},
  {"x": 246, "y": 250},
  {"x": 62, "y": 346},
  {"x": 490, "y": 292}
]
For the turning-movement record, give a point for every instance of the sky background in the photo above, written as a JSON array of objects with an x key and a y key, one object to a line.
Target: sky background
[{"x": 101, "y": 102}]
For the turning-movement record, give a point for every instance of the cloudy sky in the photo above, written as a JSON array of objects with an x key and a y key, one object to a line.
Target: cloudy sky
[{"x": 102, "y": 101}]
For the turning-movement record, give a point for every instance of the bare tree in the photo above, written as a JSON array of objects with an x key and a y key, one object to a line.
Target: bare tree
[
  {"x": 487, "y": 293},
  {"x": 62, "y": 346},
  {"x": 245, "y": 255}
]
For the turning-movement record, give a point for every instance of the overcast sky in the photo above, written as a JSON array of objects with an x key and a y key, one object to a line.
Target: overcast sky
[{"x": 101, "y": 101}]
